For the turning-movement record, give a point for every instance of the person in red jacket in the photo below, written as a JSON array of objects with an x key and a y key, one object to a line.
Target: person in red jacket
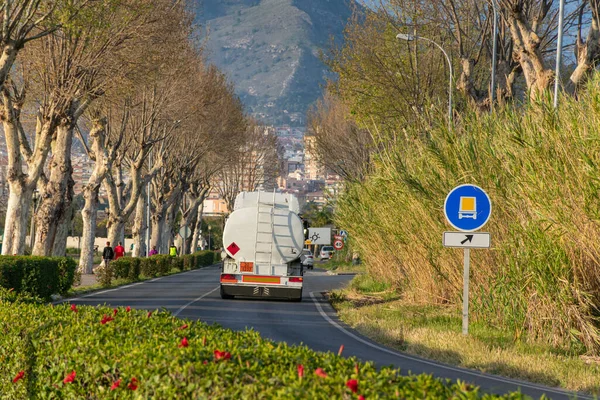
[{"x": 119, "y": 251}]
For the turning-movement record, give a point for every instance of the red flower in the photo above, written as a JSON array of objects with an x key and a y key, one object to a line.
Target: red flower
[
  {"x": 184, "y": 342},
  {"x": 300, "y": 370},
  {"x": 182, "y": 327},
  {"x": 116, "y": 384},
  {"x": 74, "y": 307},
  {"x": 205, "y": 362},
  {"x": 133, "y": 385},
  {"x": 106, "y": 319},
  {"x": 128, "y": 309},
  {"x": 222, "y": 355},
  {"x": 352, "y": 385},
  {"x": 115, "y": 311},
  {"x": 19, "y": 376},
  {"x": 361, "y": 397},
  {"x": 149, "y": 314},
  {"x": 70, "y": 377},
  {"x": 340, "y": 350},
  {"x": 320, "y": 372}
]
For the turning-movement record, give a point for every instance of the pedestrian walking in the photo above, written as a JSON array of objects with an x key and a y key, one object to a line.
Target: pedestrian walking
[
  {"x": 119, "y": 251},
  {"x": 108, "y": 254},
  {"x": 173, "y": 250},
  {"x": 153, "y": 252}
]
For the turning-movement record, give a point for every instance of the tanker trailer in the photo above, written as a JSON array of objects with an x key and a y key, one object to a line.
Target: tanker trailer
[{"x": 263, "y": 241}]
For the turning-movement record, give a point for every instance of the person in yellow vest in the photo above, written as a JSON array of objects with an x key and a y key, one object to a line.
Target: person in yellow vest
[{"x": 173, "y": 250}]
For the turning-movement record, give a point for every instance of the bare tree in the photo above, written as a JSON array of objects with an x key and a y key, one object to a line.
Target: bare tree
[
  {"x": 250, "y": 165},
  {"x": 340, "y": 145},
  {"x": 23, "y": 21},
  {"x": 105, "y": 142},
  {"x": 22, "y": 181},
  {"x": 85, "y": 60}
]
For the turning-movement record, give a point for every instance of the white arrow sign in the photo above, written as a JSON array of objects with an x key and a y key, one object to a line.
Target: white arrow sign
[{"x": 479, "y": 240}]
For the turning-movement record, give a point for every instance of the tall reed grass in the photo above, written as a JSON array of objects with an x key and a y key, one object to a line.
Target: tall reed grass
[{"x": 541, "y": 279}]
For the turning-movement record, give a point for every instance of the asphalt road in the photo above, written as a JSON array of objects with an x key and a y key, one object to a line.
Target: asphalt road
[{"x": 312, "y": 322}]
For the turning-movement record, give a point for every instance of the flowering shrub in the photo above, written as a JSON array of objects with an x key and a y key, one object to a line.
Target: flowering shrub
[
  {"x": 67, "y": 352},
  {"x": 37, "y": 276}
]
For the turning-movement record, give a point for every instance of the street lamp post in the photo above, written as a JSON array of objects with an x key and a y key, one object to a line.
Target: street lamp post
[
  {"x": 35, "y": 197},
  {"x": 209, "y": 229},
  {"x": 408, "y": 37},
  {"x": 494, "y": 57},
  {"x": 561, "y": 13}
]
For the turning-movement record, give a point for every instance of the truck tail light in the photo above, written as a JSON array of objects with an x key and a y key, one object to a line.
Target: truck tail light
[
  {"x": 296, "y": 279},
  {"x": 228, "y": 278}
]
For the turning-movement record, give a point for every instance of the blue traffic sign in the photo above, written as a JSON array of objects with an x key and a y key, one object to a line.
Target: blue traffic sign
[{"x": 467, "y": 208}]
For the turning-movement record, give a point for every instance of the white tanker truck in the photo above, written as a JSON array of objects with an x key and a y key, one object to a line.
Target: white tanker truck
[{"x": 263, "y": 240}]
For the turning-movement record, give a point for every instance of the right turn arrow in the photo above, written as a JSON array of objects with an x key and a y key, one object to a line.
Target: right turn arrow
[{"x": 468, "y": 239}]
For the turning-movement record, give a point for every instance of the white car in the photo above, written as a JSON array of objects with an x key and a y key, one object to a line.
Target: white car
[
  {"x": 327, "y": 252},
  {"x": 306, "y": 259}
]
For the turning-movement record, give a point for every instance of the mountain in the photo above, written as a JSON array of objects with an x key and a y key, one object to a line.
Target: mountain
[{"x": 270, "y": 50}]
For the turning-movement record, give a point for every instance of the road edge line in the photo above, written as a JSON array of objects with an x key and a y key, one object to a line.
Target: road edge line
[
  {"x": 193, "y": 301},
  {"x": 444, "y": 366}
]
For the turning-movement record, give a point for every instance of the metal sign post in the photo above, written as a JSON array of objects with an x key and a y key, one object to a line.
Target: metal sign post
[
  {"x": 467, "y": 208},
  {"x": 465, "y": 321}
]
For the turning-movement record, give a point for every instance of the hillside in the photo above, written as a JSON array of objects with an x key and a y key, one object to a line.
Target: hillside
[{"x": 270, "y": 50}]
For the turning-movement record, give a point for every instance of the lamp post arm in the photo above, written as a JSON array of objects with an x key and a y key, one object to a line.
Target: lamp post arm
[{"x": 450, "y": 87}]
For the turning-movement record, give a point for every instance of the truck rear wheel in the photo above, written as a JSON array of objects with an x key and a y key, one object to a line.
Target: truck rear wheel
[{"x": 224, "y": 295}]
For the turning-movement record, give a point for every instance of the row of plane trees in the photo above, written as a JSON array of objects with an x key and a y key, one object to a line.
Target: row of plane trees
[{"x": 128, "y": 82}]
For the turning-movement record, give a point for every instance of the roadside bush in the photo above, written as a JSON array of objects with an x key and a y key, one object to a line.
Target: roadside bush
[
  {"x": 127, "y": 268},
  {"x": 177, "y": 262},
  {"x": 541, "y": 279},
  {"x": 134, "y": 355},
  {"x": 105, "y": 274},
  {"x": 206, "y": 258},
  {"x": 37, "y": 276},
  {"x": 189, "y": 262},
  {"x": 157, "y": 265}
]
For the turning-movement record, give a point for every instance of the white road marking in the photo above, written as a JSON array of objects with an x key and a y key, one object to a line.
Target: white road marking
[
  {"x": 462, "y": 371},
  {"x": 193, "y": 301}
]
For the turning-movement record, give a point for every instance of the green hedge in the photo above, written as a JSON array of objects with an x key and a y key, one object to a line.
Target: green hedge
[
  {"x": 59, "y": 341},
  {"x": 37, "y": 276},
  {"x": 131, "y": 268}
]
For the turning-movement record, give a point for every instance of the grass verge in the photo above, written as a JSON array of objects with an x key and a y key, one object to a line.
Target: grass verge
[
  {"x": 341, "y": 267},
  {"x": 434, "y": 332},
  {"x": 71, "y": 352}
]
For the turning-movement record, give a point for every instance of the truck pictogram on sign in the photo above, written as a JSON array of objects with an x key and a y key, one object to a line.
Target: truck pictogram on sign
[{"x": 468, "y": 208}]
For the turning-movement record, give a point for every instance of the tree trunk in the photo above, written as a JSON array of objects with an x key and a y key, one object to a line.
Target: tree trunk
[
  {"x": 189, "y": 218},
  {"x": 116, "y": 227},
  {"x": 588, "y": 54},
  {"x": 197, "y": 227},
  {"x": 20, "y": 193},
  {"x": 140, "y": 226},
  {"x": 59, "y": 247},
  {"x": 17, "y": 219},
  {"x": 167, "y": 233},
  {"x": 158, "y": 224},
  {"x": 7, "y": 59},
  {"x": 478, "y": 99},
  {"x": 58, "y": 193},
  {"x": 89, "y": 215},
  {"x": 526, "y": 51}
]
